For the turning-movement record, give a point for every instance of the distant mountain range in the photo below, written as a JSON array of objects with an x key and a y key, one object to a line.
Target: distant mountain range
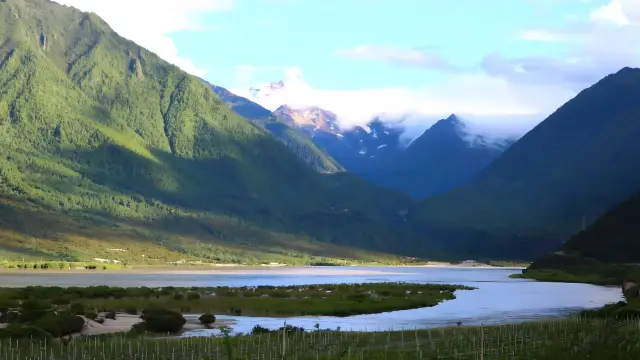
[
  {"x": 562, "y": 175},
  {"x": 444, "y": 157}
]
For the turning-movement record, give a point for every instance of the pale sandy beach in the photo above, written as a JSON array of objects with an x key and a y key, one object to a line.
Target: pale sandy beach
[{"x": 124, "y": 323}]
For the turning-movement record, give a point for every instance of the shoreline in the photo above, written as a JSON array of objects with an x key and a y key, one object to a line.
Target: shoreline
[{"x": 247, "y": 270}]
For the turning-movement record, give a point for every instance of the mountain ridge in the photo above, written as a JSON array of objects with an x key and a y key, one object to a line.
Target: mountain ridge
[
  {"x": 539, "y": 191},
  {"x": 109, "y": 146}
]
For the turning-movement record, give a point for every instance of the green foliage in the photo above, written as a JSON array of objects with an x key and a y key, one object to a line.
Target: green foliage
[
  {"x": 77, "y": 308},
  {"x": 327, "y": 299},
  {"x": 207, "y": 319},
  {"x": 613, "y": 238},
  {"x": 569, "y": 339},
  {"x": 18, "y": 331},
  {"x": 61, "y": 324},
  {"x": 162, "y": 320},
  {"x": 108, "y": 152}
]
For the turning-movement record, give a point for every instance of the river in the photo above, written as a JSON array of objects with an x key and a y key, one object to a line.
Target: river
[{"x": 498, "y": 299}]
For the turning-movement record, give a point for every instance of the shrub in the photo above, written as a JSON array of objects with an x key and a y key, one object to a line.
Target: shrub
[
  {"x": 207, "y": 319},
  {"x": 99, "y": 320},
  {"x": 30, "y": 316},
  {"x": 162, "y": 320},
  {"x": 193, "y": 296},
  {"x": 131, "y": 311},
  {"x": 139, "y": 328},
  {"x": 61, "y": 324},
  {"x": 259, "y": 329},
  {"x": 77, "y": 308},
  {"x": 23, "y": 332},
  {"x": 61, "y": 301},
  {"x": 34, "y": 305},
  {"x": 91, "y": 316},
  {"x": 110, "y": 315},
  {"x": 178, "y": 296}
]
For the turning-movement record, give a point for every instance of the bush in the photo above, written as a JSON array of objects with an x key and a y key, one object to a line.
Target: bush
[
  {"x": 61, "y": 324},
  {"x": 193, "y": 296},
  {"x": 91, "y": 316},
  {"x": 178, "y": 296},
  {"x": 110, "y": 315},
  {"x": 207, "y": 319},
  {"x": 30, "y": 316},
  {"x": 23, "y": 332},
  {"x": 61, "y": 301},
  {"x": 28, "y": 305},
  {"x": 259, "y": 329},
  {"x": 162, "y": 320},
  {"x": 77, "y": 308},
  {"x": 138, "y": 329},
  {"x": 131, "y": 311}
]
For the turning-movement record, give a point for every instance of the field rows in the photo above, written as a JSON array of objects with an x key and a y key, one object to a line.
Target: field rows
[{"x": 566, "y": 339}]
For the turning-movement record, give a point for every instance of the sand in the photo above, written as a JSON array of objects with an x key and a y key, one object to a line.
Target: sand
[{"x": 124, "y": 323}]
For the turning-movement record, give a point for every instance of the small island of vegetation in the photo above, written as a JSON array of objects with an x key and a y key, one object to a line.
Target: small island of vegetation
[{"x": 329, "y": 299}]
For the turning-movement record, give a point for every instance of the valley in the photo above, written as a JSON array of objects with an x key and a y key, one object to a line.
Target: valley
[{"x": 380, "y": 207}]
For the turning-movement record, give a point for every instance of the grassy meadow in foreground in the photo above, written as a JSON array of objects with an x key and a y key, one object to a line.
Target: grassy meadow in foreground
[
  {"x": 329, "y": 299},
  {"x": 573, "y": 338}
]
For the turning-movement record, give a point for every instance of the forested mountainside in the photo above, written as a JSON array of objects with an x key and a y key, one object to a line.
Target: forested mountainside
[
  {"x": 106, "y": 150},
  {"x": 607, "y": 252},
  {"x": 613, "y": 238},
  {"x": 564, "y": 174},
  {"x": 299, "y": 144}
]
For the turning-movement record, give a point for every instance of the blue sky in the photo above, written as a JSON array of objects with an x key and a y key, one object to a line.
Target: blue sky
[
  {"x": 307, "y": 34},
  {"x": 504, "y": 65}
]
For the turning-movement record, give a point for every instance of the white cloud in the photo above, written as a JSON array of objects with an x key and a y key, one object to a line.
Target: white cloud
[
  {"x": 149, "y": 22},
  {"x": 493, "y": 106},
  {"x": 502, "y": 97},
  {"x": 612, "y": 12}
]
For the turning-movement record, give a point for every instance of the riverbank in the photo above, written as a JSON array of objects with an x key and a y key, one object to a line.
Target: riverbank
[{"x": 229, "y": 269}]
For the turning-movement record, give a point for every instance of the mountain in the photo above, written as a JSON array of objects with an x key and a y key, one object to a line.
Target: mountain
[
  {"x": 565, "y": 173},
  {"x": 107, "y": 151},
  {"x": 445, "y": 156},
  {"x": 606, "y": 252},
  {"x": 309, "y": 120},
  {"x": 613, "y": 238},
  {"x": 300, "y": 145},
  {"x": 442, "y": 158}
]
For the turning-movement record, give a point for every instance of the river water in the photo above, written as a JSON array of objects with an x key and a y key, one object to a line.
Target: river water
[{"x": 498, "y": 299}]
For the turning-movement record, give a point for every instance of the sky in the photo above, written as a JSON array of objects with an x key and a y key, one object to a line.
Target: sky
[{"x": 503, "y": 65}]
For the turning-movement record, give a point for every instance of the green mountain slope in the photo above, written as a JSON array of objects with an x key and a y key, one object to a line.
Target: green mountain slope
[
  {"x": 607, "y": 252},
  {"x": 295, "y": 141},
  {"x": 565, "y": 173},
  {"x": 613, "y": 238},
  {"x": 105, "y": 146}
]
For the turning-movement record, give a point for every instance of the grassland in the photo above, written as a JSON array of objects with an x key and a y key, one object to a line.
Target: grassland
[
  {"x": 334, "y": 300},
  {"x": 568, "y": 339}
]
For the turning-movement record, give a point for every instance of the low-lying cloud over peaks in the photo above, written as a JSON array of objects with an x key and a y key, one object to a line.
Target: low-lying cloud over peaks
[{"x": 492, "y": 106}]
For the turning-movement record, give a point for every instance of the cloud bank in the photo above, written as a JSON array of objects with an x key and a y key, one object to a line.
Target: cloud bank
[{"x": 498, "y": 96}]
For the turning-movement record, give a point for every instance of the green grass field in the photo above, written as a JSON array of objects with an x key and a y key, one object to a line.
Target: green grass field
[{"x": 568, "y": 339}]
